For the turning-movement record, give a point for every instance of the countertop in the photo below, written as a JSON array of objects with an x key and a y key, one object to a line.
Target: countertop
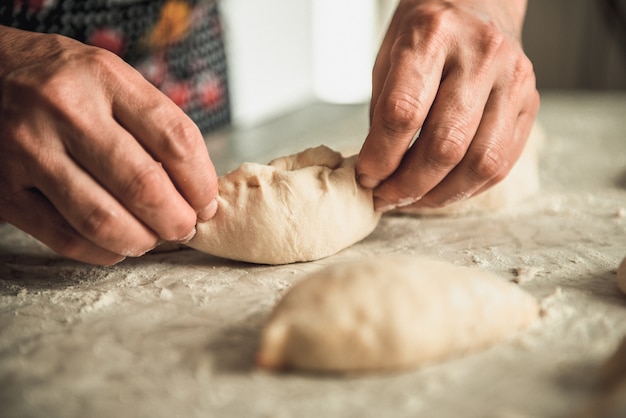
[{"x": 174, "y": 333}]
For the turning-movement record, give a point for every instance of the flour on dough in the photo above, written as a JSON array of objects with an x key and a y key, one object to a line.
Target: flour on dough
[
  {"x": 301, "y": 207},
  {"x": 621, "y": 276},
  {"x": 390, "y": 313},
  {"x": 521, "y": 183}
]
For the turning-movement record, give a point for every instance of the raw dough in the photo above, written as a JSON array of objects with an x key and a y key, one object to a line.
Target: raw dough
[
  {"x": 298, "y": 208},
  {"x": 621, "y": 276},
  {"x": 390, "y": 313},
  {"x": 521, "y": 182}
]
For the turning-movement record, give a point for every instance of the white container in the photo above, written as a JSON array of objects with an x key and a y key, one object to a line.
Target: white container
[{"x": 345, "y": 33}]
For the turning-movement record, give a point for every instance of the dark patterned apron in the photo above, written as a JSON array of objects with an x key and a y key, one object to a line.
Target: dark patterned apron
[{"x": 176, "y": 44}]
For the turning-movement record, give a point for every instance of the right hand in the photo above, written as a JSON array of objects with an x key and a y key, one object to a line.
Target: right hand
[
  {"x": 455, "y": 72},
  {"x": 95, "y": 162}
]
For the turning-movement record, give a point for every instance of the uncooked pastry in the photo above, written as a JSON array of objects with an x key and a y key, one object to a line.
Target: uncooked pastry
[
  {"x": 521, "y": 183},
  {"x": 302, "y": 207},
  {"x": 390, "y": 313},
  {"x": 621, "y": 276}
]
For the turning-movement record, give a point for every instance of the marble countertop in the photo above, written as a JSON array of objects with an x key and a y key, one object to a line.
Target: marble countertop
[{"x": 175, "y": 333}]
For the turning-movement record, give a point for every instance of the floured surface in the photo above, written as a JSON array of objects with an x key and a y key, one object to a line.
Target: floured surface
[{"x": 174, "y": 334}]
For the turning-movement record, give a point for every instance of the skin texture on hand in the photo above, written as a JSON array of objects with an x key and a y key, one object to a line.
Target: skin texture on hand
[
  {"x": 454, "y": 72},
  {"x": 95, "y": 162}
]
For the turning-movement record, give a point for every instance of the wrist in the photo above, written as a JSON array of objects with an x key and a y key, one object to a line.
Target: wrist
[{"x": 507, "y": 14}]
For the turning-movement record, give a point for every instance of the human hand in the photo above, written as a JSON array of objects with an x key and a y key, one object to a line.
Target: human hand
[
  {"x": 455, "y": 71},
  {"x": 95, "y": 162}
]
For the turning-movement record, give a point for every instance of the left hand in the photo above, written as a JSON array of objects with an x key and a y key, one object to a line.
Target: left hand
[{"x": 456, "y": 71}]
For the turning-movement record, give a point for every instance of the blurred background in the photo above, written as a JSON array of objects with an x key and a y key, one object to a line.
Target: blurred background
[{"x": 284, "y": 54}]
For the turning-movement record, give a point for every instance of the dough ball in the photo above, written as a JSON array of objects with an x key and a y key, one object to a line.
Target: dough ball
[
  {"x": 621, "y": 276},
  {"x": 298, "y": 208},
  {"x": 390, "y": 313},
  {"x": 521, "y": 183}
]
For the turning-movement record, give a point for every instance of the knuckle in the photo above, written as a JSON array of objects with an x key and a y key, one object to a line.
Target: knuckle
[
  {"x": 55, "y": 89},
  {"x": 56, "y": 84},
  {"x": 523, "y": 70},
  {"x": 488, "y": 165},
  {"x": 97, "y": 59},
  {"x": 489, "y": 49},
  {"x": 432, "y": 22},
  {"x": 98, "y": 224},
  {"x": 145, "y": 186},
  {"x": 524, "y": 64},
  {"x": 434, "y": 17},
  {"x": 490, "y": 40},
  {"x": 400, "y": 112},
  {"x": 520, "y": 75},
  {"x": 448, "y": 146},
  {"x": 180, "y": 138}
]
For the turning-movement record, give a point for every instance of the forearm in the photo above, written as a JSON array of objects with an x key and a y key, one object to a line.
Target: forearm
[
  {"x": 513, "y": 11},
  {"x": 507, "y": 14}
]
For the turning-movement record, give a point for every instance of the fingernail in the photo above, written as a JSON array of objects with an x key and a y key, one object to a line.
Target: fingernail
[
  {"x": 209, "y": 211},
  {"x": 382, "y": 205},
  {"x": 367, "y": 181},
  {"x": 408, "y": 201},
  {"x": 189, "y": 236}
]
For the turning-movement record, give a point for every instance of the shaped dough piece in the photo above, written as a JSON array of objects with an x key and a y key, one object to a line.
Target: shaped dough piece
[
  {"x": 298, "y": 208},
  {"x": 390, "y": 313},
  {"x": 621, "y": 276},
  {"x": 521, "y": 182}
]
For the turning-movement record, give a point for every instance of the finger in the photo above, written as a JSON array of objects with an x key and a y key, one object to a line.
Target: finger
[
  {"x": 404, "y": 101},
  {"x": 489, "y": 157},
  {"x": 523, "y": 122},
  {"x": 172, "y": 138},
  {"x": 522, "y": 131},
  {"x": 137, "y": 181},
  {"x": 450, "y": 127},
  {"x": 32, "y": 213},
  {"x": 499, "y": 142},
  {"x": 91, "y": 210}
]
